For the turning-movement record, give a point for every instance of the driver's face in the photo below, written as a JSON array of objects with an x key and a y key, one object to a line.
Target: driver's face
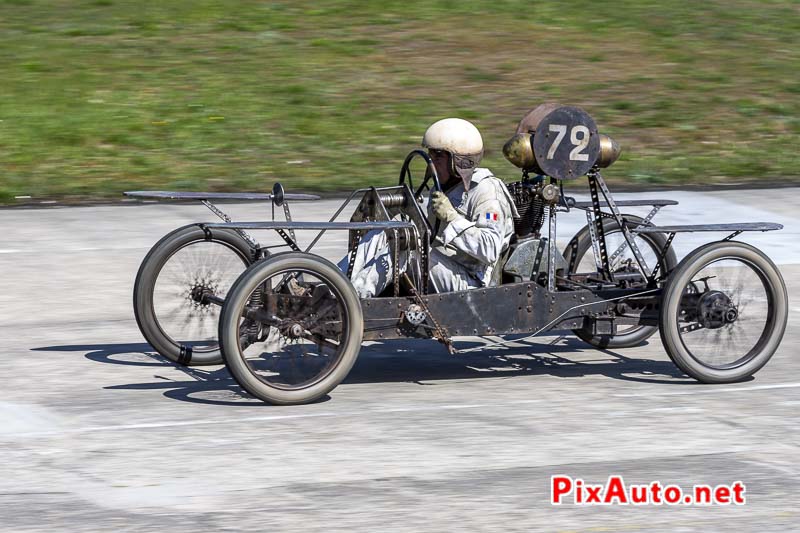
[{"x": 441, "y": 160}]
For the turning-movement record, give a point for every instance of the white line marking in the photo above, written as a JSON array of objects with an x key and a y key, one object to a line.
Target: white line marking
[
  {"x": 772, "y": 466},
  {"x": 710, "y": 389},
  {"x": 675, "y": 410},
  {"x": 183, "y": 423},
  {"x": 79, "y": 249},
  {"x": 382, "y": 410}
]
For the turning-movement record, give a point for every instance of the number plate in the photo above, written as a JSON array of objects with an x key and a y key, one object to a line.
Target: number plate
[{"x": 566, "y": 143}]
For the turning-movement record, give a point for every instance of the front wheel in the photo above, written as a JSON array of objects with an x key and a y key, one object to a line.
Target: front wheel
[
  {"x": 291, "y": 328},
  {"x": 724, "y": 312}
]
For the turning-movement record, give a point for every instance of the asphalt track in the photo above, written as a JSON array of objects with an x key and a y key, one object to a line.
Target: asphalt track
[{"x": 98, "y": 433}]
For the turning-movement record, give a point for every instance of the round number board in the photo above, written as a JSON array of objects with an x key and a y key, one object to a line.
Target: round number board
[{"x": 566, "y": 143}]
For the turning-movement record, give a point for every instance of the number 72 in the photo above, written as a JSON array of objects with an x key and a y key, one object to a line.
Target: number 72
[{"x": 579, "y": 137}]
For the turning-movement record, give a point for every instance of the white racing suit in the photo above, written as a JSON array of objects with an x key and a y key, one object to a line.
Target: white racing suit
[{"x": 464, "y": 253}]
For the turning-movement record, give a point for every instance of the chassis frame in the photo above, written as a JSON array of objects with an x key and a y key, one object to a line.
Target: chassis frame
[
  {"x": 530, "y": 307},
  {"x": 543, "y": 293},
  {"x": 276, "y": 306}
]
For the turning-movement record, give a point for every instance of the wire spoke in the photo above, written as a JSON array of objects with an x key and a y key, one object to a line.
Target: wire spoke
[
  {"x": 298, "y": 350},
  {"x": 209, "y": 265},
  {"x": 726, "y": 345}
]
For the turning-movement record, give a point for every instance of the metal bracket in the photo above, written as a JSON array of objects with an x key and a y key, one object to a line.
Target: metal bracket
[
  {"x": 594, "y": 175},
  {"x": 225, "y": 218},
  {"x": 551, "y": 251},
  {"x": 288, "y": 216},
  {"x": 690, "y": 328},
  {"x": 351, "y": 262},
  {"x": 732, "y": 235},
  {"x": 597, "y": 232},
  {"x": 651, "y": 214},
  {"x": 537, "y": 260},
  {"x": 573, "y": 252},
  {"x": 663, "y": 255},
  {"x": 617, "y": 253},
  {"x": 396, "y": 264},
  {"x": 645, "y": 222},
  {"x": 289, "y": 239},
  {"x": 425, "y": 260},
  {"x": 598, "y": 257}
]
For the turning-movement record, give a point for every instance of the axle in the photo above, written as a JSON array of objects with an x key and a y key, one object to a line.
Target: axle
[{"x": 205, "y": 296}]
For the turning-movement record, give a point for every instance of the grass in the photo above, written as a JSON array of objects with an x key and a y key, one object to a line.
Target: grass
[{"x": 101, "y": 96}]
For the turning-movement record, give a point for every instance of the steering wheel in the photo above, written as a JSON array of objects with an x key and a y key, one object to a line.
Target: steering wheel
[{"x": 430, "y": 173}]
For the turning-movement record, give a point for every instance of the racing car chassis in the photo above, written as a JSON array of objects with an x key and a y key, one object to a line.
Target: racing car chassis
[{"x": 291, "y": 325}]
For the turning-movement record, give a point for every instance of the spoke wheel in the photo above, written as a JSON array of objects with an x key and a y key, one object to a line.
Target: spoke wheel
[
  {"x": 724, "y": 312},
  {"x": 171, "y": 294},
  {"x": 291, "y": 328},
  {"x": 622, "y": 260}
]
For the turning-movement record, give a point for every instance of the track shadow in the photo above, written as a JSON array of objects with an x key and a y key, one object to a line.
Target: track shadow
[
  {"x": 422, "y": 362},
  {"x": 209, "y": 385},
  {"x": 132, "y": 354}
]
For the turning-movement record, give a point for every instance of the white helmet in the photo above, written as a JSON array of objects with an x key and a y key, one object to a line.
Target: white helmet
[{"x": 461, "y": 139}]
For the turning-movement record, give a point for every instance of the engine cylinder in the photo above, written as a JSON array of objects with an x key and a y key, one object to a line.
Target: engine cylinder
[{"x": 530, "y": 206}]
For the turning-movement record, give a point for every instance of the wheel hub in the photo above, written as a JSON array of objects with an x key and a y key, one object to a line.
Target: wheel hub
[
  {"x": 715, "y": 310},
  {"x": 292, "y": 330},
  {"x": 200, "y": 292}
]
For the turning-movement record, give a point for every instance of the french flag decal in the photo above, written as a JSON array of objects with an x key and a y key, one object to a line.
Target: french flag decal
[{"x": 491, "y": 217}]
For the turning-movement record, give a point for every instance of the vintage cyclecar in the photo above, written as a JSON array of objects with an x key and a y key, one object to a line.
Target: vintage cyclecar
[{"x": 289, "y": 325}]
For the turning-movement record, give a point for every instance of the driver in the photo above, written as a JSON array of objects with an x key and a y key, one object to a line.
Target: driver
[{"x": 475, "y": 219}]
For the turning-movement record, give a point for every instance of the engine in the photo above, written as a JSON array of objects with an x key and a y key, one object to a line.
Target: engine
[{"x": 532, "y": 197}]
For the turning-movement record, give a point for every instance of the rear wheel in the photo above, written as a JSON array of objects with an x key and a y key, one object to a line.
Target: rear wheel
[
  {"x": 724, "y": 312},
  {"x": 175, "y": 286},
  {"x": 579, "y": 252},
  {"x": 291, "y": 328}
]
